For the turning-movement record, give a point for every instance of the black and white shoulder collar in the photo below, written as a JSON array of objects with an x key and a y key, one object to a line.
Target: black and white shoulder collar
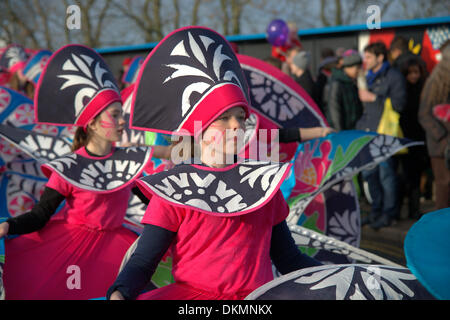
[
  {"x": 39, "y": 146},
  {"x": 236, "y": 190},
  {"x": 101, "y": 174}
]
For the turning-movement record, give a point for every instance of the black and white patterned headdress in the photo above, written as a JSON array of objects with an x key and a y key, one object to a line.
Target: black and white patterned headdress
[
  {"x": 74, "y": 87},
  {"x": 192, "y": 75},
  {"x": 13, "y": 58}
]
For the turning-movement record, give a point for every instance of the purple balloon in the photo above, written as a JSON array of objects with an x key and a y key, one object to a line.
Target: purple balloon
[{"x": 277, "y": 32}]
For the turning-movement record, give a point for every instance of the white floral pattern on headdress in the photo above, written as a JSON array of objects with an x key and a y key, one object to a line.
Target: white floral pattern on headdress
[
  {"x": 208, "y": 81},
  {"x": 87, "y": 72}
]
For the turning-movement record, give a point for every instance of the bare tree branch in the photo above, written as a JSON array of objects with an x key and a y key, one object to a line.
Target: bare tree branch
[
  {"x": 149, "y": 22},
  {"x": 323, "y": 17},
  {"x": 237, "y": 7},
  {"x": 195, "y": 8},
  {"x": 101, "y": 19},
  {"x": 352, "y": 10},
  {"x": 338, "y": 13},
  {"x": 42, "y": 23},
  {"x": 15, "y": 19},
  {"x": 147, "y": 19},
  {"x": 384, "y": 8},
  {"x": 157, "y": 26},
  {"x": 44, "y": 20},
  {"x": 127, "y": 12},
  {"x": 176, "y": 18},
  {"x": 226, "y": 19}
]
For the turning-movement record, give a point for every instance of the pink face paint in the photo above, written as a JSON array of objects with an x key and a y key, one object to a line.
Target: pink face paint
[
  {"x": 108, "y": 124},
  {"x": 214, "y": 134}
]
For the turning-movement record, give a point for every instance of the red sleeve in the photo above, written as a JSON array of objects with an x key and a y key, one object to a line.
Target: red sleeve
[
  {"x": 163, "y": 215},
  {"x": 276, "y": 53},
  {"x": 298, "y": 43},
  {"x": 280, "y": 208},
  {"x": 59, "y": 184}
]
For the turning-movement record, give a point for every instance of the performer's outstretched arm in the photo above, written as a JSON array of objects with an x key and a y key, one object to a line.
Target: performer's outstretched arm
[
  {"x": 35, "y": 219},
  {"x": 284, "y": 253},
  {"x": 287, "y": 135}
]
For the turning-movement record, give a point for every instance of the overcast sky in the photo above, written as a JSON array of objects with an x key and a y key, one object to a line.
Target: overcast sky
[{"x": 119, "y": 30}]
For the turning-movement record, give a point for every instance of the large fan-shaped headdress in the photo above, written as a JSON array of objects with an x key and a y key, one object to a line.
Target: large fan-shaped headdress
[
  {"x": 130, "y": 76},
  {"x": 74, "y": 87},
  {"x": 13, "y": 58},
  {"x": 35, "y": 64},
  {"x": 278, "y": 98},
  {"x": 192, "y": 75}
]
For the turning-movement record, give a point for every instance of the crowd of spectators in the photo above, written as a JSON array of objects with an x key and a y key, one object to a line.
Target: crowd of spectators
[{"x": 351, "y": 89}]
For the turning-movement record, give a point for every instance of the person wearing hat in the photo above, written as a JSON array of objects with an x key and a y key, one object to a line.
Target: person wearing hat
[
  {"x": 343, "y": 105},
  {"x": 300, "y": 72},
  {"x": 222, "y": 218},
  {"x": 12, "y": 61},
  {"x": 339, "y": 54},
  {"x": 76, "y": 253},
  {"x": 32, "y": 70},
  {"x": 131, "y": 71},
  {"x": 326, "y": 65}
]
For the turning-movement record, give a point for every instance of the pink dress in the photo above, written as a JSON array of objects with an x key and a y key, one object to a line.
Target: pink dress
[
  {"x": 216, "y": 257},
  {"x": 77, "y": 254}
]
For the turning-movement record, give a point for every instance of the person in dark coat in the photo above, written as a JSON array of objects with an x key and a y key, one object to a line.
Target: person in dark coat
[
  {"x": 399, "y": 52},
  {"x": 343, "y": 105},
  {"x": 437, "y": 91},
  {"x": 328, "y": 62},
  {"x": 414, "y": 163},
  {"x": 301, "y": 73},
  {"x": 383, "y": 82}
]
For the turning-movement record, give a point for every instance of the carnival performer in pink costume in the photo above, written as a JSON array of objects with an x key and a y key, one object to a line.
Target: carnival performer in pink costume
[
  {"x": 76, "y": 253},
  {"x": 220, "y": 217}
]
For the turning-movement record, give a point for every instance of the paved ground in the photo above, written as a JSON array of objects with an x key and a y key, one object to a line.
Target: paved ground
[{"x": 388, "y": 242}]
